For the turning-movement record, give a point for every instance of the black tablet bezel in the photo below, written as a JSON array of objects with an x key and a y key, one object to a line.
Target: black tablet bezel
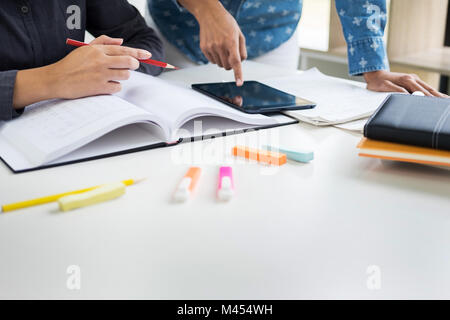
[{"x": 264, "y": 109}]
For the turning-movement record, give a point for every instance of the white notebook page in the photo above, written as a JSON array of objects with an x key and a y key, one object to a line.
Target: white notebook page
[
  {"x": 179, "y": 104},
  {"x": 49, "y": 130}
]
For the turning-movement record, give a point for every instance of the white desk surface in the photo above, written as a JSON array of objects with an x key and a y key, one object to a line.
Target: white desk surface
[{"x": 298, "y": 231}]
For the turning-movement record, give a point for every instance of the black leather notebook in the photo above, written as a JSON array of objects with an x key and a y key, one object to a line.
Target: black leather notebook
[{"x": 413, "y": 120}]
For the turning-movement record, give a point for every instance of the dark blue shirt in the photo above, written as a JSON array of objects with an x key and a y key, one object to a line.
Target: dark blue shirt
[{"x": 33, "y": 34}]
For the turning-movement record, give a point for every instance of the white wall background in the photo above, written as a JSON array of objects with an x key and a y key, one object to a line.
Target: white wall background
[{"x": 140, "y": 4}]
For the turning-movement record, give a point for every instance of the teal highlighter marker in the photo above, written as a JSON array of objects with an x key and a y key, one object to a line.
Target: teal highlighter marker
[{"x": 304, "y": 156}]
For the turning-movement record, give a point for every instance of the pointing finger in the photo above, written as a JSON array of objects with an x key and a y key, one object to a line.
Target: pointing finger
[
  {"x": 242, "y": 47},
  {"x": 236, "y": 64}
]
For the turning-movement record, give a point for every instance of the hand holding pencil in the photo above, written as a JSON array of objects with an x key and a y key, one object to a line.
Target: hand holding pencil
[
  {"x": 104, "y": 40},
  {"x": 93, "y": 69}
]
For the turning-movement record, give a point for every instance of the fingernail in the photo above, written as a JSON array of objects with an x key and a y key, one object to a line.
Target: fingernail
[{"x": 144, "y": 54}]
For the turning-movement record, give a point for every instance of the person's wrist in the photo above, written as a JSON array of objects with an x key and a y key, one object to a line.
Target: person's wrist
[
  {"x": 368, "y": 76},
  {"x": 31, "y": 86},
  {"x": 201, "y": 10},
  {"x": 51, "y": 82}
]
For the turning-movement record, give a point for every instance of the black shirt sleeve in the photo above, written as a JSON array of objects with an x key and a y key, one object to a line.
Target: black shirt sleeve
[
  {"x": 7, "y": 82},
  {"x": 119, "y": 19}
]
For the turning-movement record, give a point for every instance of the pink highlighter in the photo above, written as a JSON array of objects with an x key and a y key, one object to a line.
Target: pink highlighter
[{"x": 225, "y": 188}]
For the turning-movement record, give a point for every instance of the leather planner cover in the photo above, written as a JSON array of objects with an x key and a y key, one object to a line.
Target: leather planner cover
[{"x": 413, "y": 120}]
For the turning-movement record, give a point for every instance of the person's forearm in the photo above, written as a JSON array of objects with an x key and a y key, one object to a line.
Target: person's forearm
[
  {"x": 199, "y": 8},
  {"x": 32, "y": 86}
]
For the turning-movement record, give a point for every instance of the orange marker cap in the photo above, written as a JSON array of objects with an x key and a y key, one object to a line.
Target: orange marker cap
[{"x": 194, "y": 174}]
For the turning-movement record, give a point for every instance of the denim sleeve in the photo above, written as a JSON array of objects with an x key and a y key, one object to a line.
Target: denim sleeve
[
  {"x": 7, "y": 82},
  {"x": 178, "y": 5},
  {"x": 364, "y": 22}
]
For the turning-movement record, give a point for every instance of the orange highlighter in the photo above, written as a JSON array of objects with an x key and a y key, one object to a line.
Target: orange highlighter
[
  {"x": 187, "y": 184},
  {"x": 269, "y": 157}
]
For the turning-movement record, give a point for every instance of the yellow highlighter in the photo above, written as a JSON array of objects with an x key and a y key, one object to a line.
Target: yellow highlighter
[
  {"x": 56, "y": 197},
  {"x": 98, "y": 195}
]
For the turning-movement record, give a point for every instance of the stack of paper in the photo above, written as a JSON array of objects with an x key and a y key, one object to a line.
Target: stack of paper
[{"x": 339, "y": 102}]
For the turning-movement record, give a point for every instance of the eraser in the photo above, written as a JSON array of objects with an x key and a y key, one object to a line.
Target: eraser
[
  {"x": 269, "y": 157},
  {"x": 293, "y": 154},
  {"x": 100, "y": 194}
]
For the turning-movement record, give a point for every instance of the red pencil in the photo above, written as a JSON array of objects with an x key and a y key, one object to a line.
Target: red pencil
[{"x": 152, "y": 62}]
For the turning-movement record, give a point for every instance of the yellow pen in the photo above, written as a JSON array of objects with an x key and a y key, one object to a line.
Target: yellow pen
[{"x": 53, "y": 198}]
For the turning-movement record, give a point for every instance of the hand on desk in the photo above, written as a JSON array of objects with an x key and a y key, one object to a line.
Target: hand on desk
[
  {"x": 86, "y": 71},
  {"x": 386, "y": 81}
]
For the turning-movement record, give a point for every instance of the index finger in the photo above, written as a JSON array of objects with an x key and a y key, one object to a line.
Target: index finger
[
  {"x": 236, "y": 64},
  {"x": 112, "y": 50},
  {"x": 431, "y": 89},
  {"x": 107, "y": 40}
]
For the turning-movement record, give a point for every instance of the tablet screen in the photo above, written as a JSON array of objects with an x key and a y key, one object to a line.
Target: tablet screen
[{"x": 253, "y": 96}]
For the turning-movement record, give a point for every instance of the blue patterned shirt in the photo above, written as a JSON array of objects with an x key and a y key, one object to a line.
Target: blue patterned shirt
[{"x": 267, "y": 24}]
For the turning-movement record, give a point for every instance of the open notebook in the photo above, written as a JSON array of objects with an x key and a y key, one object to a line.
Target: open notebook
[{"x": 147, "y": 113}]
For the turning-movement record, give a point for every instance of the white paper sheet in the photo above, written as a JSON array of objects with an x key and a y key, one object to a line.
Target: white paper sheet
[
  {"x": 338, "y": 101},
  {"x": 355, "y": 126}
]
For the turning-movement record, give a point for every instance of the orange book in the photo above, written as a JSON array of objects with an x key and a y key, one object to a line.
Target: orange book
[{"x": 401, "y": 152}]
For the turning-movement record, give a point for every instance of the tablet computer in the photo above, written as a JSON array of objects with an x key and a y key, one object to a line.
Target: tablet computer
[{"x": 253, "y": 97}]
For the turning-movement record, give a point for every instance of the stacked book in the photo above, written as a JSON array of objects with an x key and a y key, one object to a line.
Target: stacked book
[{"x": 410, "y": 129}]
